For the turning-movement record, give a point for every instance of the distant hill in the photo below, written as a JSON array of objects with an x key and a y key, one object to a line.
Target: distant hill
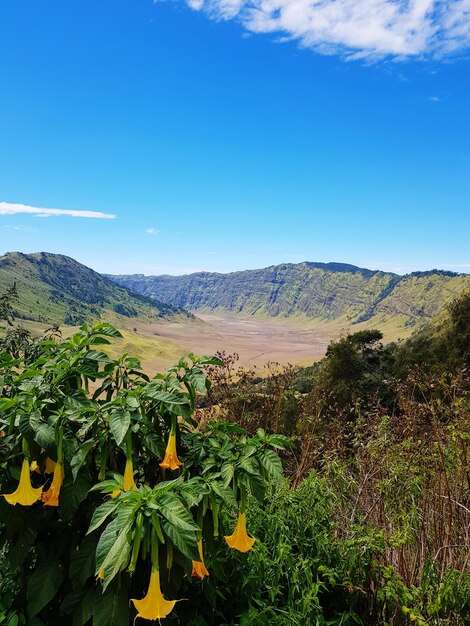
[
  {"x": 313, "y": 290},
  {"x": 53, "y": 288}
]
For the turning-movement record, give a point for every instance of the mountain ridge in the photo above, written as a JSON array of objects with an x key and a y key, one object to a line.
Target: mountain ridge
[
  {"x": 315, "y": 290},
  {"x": 55, "y": 288}
]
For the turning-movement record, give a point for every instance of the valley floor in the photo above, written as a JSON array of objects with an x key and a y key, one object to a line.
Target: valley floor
[{"x": 257, "y": 341}]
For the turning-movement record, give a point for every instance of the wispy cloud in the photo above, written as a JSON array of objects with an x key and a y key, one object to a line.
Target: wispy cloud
[
  {"x": 354, "y": 28},
  {"x": 7, "y": 208},
  {"x": 151, "y": 231},
  {"x": 20, "y": 229}
]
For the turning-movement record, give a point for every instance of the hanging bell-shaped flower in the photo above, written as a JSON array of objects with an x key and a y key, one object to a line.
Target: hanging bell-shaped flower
[
  {"x": 199, "y": 567},
  {"x": 25, "y": 493},
  {"x": 154, "y": 606},
  {"x": 51, "y": 496},
  {"x": 240, "y": 540}
]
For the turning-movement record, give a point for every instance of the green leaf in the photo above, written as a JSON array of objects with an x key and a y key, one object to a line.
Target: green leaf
[
  {"x": 119, "y": 423},
  {"x": 279, "y": 441},
  {"x": 96, "y": 355},
  {"x": 101, "y": 513},
  {"x": 184, "y": 540},
  {"x": 108, "y": 537},
  {"x": 224, "y": 492},
  {"x": 45, "y": 436},
  {"x": 82, "y": 563},
  {"x": 80, "y": 456},
  {"x": 42, "y": 585},
  {"x": 117, "y": 557},
  {"x": 78, "y": 605},
  {"x": 106, "y": 329},
  {"x": 176, "y": 403},
  {"x": 197, "y": 379},
  {"x": 111, "y": 608},
  {"x": 271, "y": 463},
  {"x": 175, "y": 512},
  {"x": 227, "y": 471},
  {"x": 73, "y": 493},
  {"x": 29, "y": 424},
  {"x": 256, "y": 485},
  {"x": 166, "y": 486}
]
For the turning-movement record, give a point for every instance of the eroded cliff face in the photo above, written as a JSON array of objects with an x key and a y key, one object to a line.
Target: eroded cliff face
[{"x": 314, "y": 290}]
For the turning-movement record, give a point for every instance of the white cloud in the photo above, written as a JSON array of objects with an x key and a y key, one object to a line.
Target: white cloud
[
  {"x": 355, "y": 28},
  {"x": 21, "y": 229},
  {"x": 7, "y": 208},
  {"x": 151, "y": 231}
]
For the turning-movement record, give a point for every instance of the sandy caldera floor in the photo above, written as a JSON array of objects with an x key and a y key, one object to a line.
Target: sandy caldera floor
[{"x": 257, "y": 341}]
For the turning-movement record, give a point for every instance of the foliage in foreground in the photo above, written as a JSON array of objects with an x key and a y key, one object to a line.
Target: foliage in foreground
[
  {"x": 111, "y": 491},
  {"x": 386, "y": 432},
  {"x": 373, "y": 527}
]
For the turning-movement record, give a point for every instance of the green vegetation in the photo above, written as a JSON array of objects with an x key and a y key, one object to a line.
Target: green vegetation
[
  {"x": 314, "y": 290},
  {"x": 55, "y": 289},
  {"x": 369, "y": 526},
  {"x": 137, "y": 490}
]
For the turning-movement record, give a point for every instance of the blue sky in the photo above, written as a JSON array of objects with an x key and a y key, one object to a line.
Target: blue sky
[{"x": 228, "y": 135}]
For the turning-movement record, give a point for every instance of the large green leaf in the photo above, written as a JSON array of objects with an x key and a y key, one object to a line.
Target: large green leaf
[
  {"x": 227, "y": 471},
  {"x": 82, "y": 563},
  {"x": 117, "y": 557},
  {"x": 42, "y": 585},
  {"x": 101, "y": 513},
  {"x": 271, "y": 463},
  {"x": 184, "y": 540},
  {"x": 73, "y": 493},
  {"x": 175, "y": 403},
  {"x": 29, "y": 423},
  {"x": 108, "y": 537},
  {"x": 119, "y": 423},
  {"x": 45, "y": 435},
  {"x": 111, "y": 608},
  {"x": 175, "y": 512},
  {"x": 224, "y": 492},
  {"x": 80, "y": 456}
]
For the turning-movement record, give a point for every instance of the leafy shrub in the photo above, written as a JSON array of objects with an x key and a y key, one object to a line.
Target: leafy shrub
[{"x": 121, "y": 507}]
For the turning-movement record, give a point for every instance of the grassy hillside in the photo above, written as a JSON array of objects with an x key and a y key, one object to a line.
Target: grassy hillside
[
  {"x": 53, "y": 288},
  {"x": 315, "y": 290}
]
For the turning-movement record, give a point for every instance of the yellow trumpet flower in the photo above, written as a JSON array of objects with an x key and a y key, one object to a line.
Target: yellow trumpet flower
[
  {"x": 50, "y": 466},
  {"x": 128, "y": 482},
  {"x": 199, "y": 567},
  {"x": 171, "y": 460},
  {"x": 154, "y": 606},
  {"x": 51, "y": 496},
  {"x": 240, "y": 540},
  {"x": 25, "y": 494},
  {"x": 48, "y": 469}
]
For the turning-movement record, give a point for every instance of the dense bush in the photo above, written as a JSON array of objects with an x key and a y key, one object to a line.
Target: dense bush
[
  {"x": 108, "y": 483},
  {"x": 372, "y": 526}
]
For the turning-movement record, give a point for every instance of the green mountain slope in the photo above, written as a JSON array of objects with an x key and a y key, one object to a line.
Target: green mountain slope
[
  {"x": 314, "y": 290},
  {"x": 53, "y": 288}
]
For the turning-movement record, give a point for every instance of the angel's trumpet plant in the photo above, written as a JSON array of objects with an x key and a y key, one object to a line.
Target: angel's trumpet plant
[
  {"x": 171, "y": 460},
  {"x": 153, "y": 605},
  {"x": 25, "y": 494},
  {"x": 199, "y": 567},
  {"x": 128, "y": 484},
  {"x": 51, "y": 496},
  {"x": 240, "y": 540}
]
